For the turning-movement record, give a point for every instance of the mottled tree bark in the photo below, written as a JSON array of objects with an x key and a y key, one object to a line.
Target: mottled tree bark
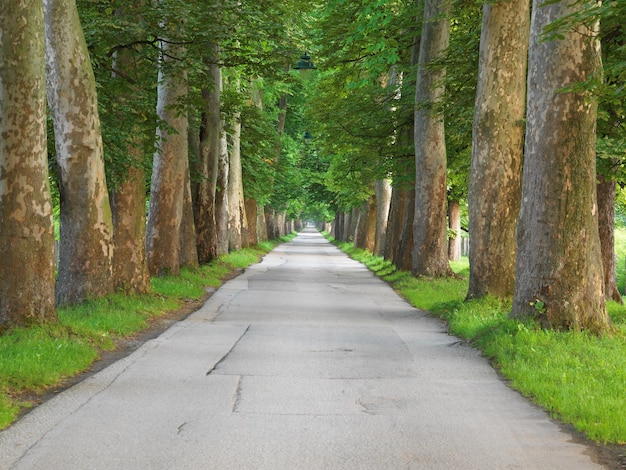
[
  {"x": 430, "y": 243},
  {"x": 606, "y": 225},
  {"x": 26, "y": 228},
  {"x": 497, "y": 148},
  {"x": 168, "y": 172},
  {"x": 559, "y": 277},
  {"x": 86, "y": 246},
  {"x": 128, "y": 199},
  {"x": 128, "y": 203}
]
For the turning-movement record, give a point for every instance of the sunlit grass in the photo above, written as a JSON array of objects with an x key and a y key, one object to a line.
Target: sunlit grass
[
  {"x": 578, "y": 377},
  {"x": 37, "y": 358}
]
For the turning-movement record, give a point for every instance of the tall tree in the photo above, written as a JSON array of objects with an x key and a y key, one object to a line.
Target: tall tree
[
  {"x": 128, "y": 196},
  {"x": 221, "y": 194},
  {"x": 86, "y": 247},
  {"x": 559, "y": 277},
  {"x": 128, "y": 203},
  {"x": 497, "y": 149},
  {"x": 430, "y": 242},
  {"x": 210, "y": 148},
  {"x": 26, "y": 231},
  {"x": 237, "y": 211},
  {"x": 167, "y": 187}
]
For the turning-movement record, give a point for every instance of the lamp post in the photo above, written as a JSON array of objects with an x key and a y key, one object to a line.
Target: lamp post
[{"x": 305, "y": 63}]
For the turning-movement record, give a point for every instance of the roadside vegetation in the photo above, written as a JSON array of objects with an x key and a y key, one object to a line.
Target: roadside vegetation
[
  {"x": 578, "y": 377},
  {"x": 36, "y": 359}
]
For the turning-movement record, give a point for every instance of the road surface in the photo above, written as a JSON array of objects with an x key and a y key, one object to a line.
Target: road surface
[{"x": 305, "y": 361}]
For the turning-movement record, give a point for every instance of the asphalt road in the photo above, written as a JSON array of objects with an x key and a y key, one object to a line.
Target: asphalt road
[{"x": 305, "y": 361}]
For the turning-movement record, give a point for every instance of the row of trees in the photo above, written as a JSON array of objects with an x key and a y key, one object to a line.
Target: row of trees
[
  {"x": 416, "y": 108},
  {"x": 184, "y": 101},
  {"x": 521, "y": 142}
]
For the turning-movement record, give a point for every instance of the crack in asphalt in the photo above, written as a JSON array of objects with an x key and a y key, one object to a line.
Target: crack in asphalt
[{"x": 223, "y": 358}]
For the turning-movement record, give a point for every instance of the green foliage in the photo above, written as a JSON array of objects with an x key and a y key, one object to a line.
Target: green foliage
[
  {"x": 364, "y": 97},
  {"x": 459, "y": 100}
]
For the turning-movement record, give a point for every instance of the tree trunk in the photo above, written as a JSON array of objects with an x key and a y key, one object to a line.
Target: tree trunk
[
  {"x": 168, "y": 172},
  {"x": 454, "y": 224},
  {"x": 383, "y": 202},
  {"x": 251, "y": 216},
  {"x": 282, "y": 224},
  {"x": 338, "y": 226},
  {"x": 128, "y": 203},
  {"x": 26, "y": 227},
  {"x": 367, "y": 225},
  {"x": 261, "y": 224},
  {"x": 221, "y": 196},
  {"x": 188, "y": 256},
  {"x": 559, "y": 276},
  {"x": 394, "y": 224},
  {"x": 128, "y": 198},
  {"x": 86, "y": 247},
  {"x": 606, "y": 225},
  {"x": 270, "y": 223},
  {"x": 405, "y": 244},
  {"x": 497, "y": 148},
  {"x": 353, "y": 224},
  {"x": 237, "y": 210},
  {"x": 430, "y": 249},
  {"x": 210, "y": 142}
]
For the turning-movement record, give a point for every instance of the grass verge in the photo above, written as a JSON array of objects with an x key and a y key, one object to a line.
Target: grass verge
[
  {"x": 579, "y": 378},
  {"x": 35, "y": 359}
]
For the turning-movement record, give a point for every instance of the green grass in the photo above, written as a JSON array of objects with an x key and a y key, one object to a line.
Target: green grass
[
  {"x": 578, "y": 377},
  {"x": 35, "y": 359}
]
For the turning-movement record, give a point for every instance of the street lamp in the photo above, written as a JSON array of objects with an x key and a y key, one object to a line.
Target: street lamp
[{"x": 305, "y": 63}]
